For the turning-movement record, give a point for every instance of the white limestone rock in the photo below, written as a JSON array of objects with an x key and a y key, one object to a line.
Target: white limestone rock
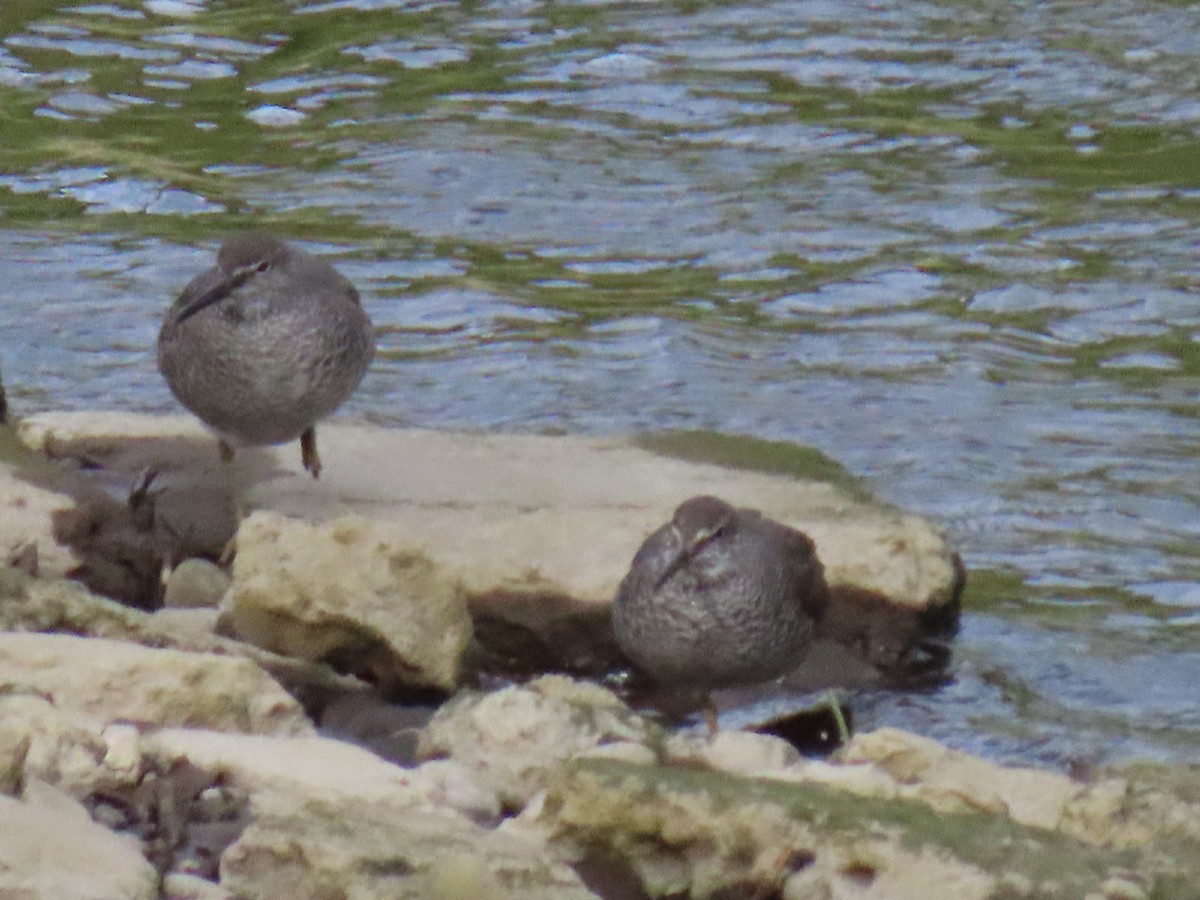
[
  {"x": 513, "y": 738},
  {"x": 195, "y": 584},
  {"x": 352, "y": 592},
  {"x": 50, "y": 847},
  {"x": 117, "y": 681}
]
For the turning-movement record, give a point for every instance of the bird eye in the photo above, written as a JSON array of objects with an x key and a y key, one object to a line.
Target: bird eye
[{"x": 264, "y": 265}]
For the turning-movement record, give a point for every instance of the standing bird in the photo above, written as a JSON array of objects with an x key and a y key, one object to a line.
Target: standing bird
[
  {"x": 719, "y": 597},
  {"x": 264, "y": 344}
]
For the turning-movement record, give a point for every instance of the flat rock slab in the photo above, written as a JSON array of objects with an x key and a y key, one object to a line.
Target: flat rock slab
[
  {"x": 539, "y": 530},
  {"x": 526, "y": 513}
]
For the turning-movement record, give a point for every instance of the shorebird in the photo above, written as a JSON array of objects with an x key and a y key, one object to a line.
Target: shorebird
[
  {"x": 265, "y": 344},
  {"x": 719, "y": 597}
]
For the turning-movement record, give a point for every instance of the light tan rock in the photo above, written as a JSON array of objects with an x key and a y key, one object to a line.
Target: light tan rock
[
  {"x": 32, "y": 494},
  {"x": 513, "y": 738},
  {"x": 66, "y": 749},
  {"x": 699, "y": 833},
  {"x": 508, "y": 509},
  {"x": 281, "y": 772},
  {"x": 890, "y": 872},
  {"x": 38, "y": 605},
  {"x": 352, "y": 592},
  {"x": 195, "y": 583},
  {"x": 370, "y": 851},
  {"x": 622, "y": 751},
  {"x": 528, "y": 521},
  {"x": 50, "y": 847},
  {"x": 191, "y": 887},
  {"x": 197, "y": 625},
  {"x": 735, "y": 752},
  {"x": 447, "y": 784},
  {"x": 952, "y": 779},
  {"x": 117, "y": 681}
]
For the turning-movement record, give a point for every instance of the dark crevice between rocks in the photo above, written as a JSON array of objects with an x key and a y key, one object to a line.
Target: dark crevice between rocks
[
  {"x": 388, "y": 727},
  {"x": 814, "y": 731},
  {"x": 184, "y": 818},
  {"x": 906, "y": 646},
  {"x": 610, "y": 876},
  {"x": 523, "y": 635}
]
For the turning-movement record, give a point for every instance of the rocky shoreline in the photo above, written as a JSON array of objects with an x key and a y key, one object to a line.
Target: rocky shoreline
[{"x": 405, "y": 688}]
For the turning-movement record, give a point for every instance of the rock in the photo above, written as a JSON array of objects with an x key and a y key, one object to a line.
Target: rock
[
  {"x": 195, "y": 583},
  {"x": 67, "y": 750},
  {"x": 33, "y": 492},
  {"x": 512, "y": 739},
  {"x": 950, "y": 779},
  {"x": 447, "y": 784},
  {"x": 735, "y": 752},
  {"x": 30, "y": 604},
  {"x": 178, "y": 886},
  {"x": 14, "y": 746},
  {"x": 505, "y": 513},
  {"x": 704, "y": 834},
  {"x": 351, "y": 593},
  {"x": 50, "y": 847},
  {"x": 283, "y": 772},
  {"x": 356, "y": 848},
  {"x": 116, "y": 681},
  {"x": 198, "y": 624}
]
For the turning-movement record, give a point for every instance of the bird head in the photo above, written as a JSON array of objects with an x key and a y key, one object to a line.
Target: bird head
[{"x": 700, "y": 519}]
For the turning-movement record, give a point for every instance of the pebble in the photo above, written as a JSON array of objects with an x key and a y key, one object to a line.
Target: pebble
[{"x": 195, "y": 583}]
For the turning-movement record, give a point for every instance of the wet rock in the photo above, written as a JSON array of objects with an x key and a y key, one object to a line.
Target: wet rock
[
  {"x": 117, "y": 681},
  {"x": 512, "y": 739},
  {"x": 50, "y": 847},
  {"x": 351, "y": 593},
  {"x": 195, "y": 583}
]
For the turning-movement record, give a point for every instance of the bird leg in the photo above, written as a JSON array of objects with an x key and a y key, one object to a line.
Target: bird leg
[
  {"x": 308, "y": 451},
  {"x": 235, "y": 495}
]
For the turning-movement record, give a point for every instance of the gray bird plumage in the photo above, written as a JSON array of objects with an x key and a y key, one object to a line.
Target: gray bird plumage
[
  {"x": 265, "y": 344},
  {"x": 719, "y": 597}
]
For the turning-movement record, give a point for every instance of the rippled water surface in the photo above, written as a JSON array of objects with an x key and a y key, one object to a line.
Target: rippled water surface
[{"x": 951, "y": 245}]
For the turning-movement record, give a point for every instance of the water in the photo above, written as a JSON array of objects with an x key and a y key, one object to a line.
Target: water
[{"x": 952, "y": 246}]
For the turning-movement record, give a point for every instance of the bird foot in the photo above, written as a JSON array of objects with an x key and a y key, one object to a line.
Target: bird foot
[{"x": 308, "y": 452}]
